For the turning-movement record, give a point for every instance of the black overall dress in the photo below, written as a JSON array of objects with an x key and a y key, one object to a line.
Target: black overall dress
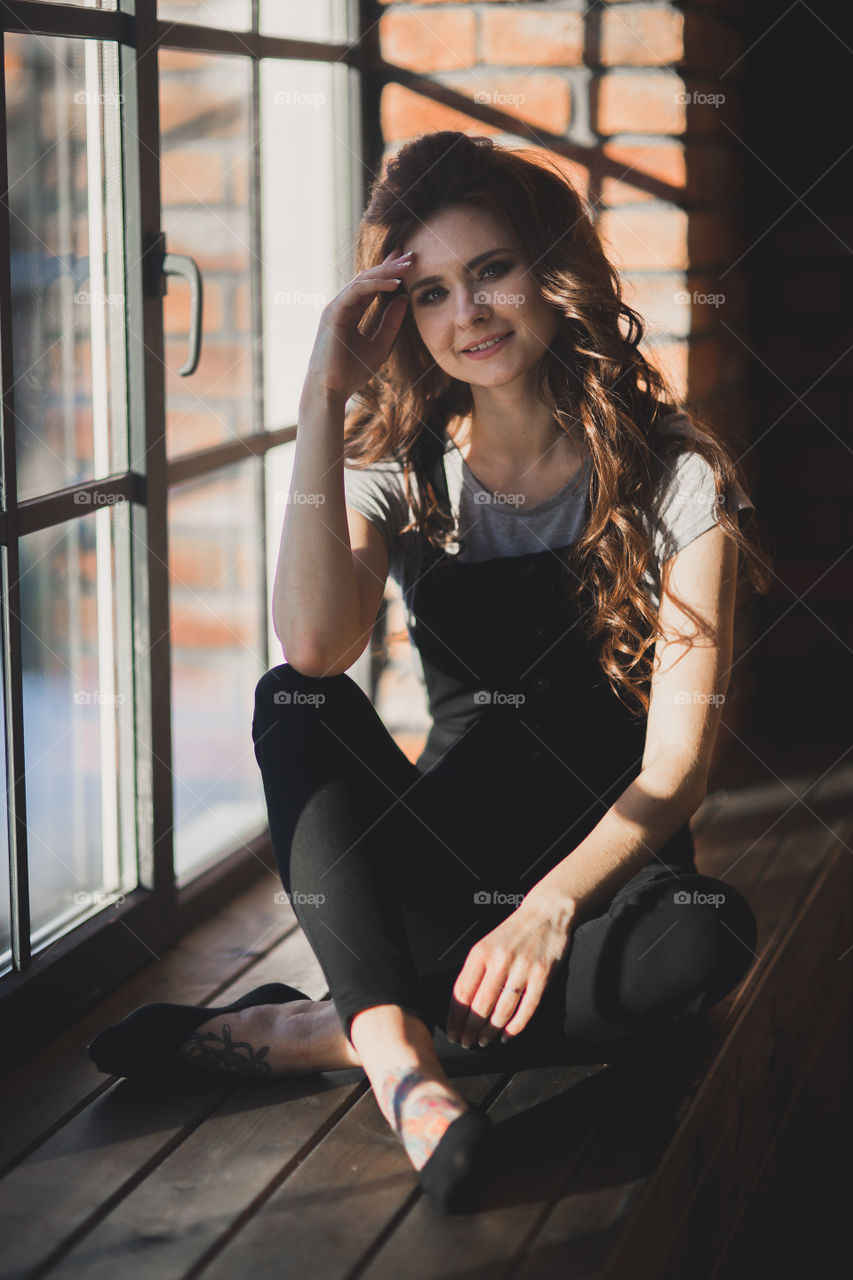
[{"x": 522, "y": 711}]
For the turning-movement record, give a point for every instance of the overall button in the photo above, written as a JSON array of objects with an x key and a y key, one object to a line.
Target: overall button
[
  {"x": 538, "y": 631},
  {"x": 536, "y": 754},
  {"x": 529, "y": 567},
  {"x": 543, "y": 682}
]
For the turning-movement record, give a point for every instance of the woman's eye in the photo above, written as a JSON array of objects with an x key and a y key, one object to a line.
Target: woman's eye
[{"x": 427, "y": 296}]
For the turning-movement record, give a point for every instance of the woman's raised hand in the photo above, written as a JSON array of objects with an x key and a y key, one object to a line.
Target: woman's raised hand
[{"x": 343, "y": 358}]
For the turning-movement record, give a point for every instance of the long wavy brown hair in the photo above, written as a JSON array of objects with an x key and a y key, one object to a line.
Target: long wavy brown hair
[{"x": 592, "y": 374}]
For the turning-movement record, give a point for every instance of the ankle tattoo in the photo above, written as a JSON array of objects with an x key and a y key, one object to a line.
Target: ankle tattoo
[
  {"x": 222, "y": 1053},
  {"x": 427, "y": 1118}
]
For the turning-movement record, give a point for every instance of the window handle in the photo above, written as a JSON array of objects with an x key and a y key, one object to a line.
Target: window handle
[{"x": 181, "y": 264}]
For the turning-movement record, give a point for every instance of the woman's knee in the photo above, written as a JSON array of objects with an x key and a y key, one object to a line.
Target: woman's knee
[
  {"x": 283, "y": 689},
  {"x": 714, "y": 931}
]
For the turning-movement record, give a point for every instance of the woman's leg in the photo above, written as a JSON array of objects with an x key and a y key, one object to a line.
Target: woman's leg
[
  {"x": 671, "y": 944},
  {"x": 347, "y": 837},
  {"x": 348, "y": 833},
  {"x": 668, "y": 946}
]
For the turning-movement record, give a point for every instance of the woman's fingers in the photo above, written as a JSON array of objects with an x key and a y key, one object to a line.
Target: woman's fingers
[
  {"x": 465, "y": 987},
  {"x": 491, "y": 1026},
  {"x": 528, "y": 1004},
  {"x": 356, "y": 296}
]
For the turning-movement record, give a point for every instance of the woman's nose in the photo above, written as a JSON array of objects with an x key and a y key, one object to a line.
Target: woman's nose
[{"x": 471, "y": 304}]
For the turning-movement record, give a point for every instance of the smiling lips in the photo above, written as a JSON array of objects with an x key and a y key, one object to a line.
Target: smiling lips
[{"x": 487, "y": 345}]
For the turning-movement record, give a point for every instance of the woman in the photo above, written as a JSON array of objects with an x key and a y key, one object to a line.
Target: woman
[{"x": 568, "y": 562}]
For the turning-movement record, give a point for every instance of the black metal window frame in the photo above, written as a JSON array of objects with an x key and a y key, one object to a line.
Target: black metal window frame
[{"x": 44, "y": 991}]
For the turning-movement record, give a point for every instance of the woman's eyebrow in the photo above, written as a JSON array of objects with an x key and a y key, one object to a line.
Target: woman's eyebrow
[{"x": 469, "y": 265}]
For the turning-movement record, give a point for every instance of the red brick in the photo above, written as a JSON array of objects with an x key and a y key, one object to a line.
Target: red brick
[
  {"x": 714, "y": 362},
  {"x": 671, "y": 359},
  {"x": 574, "y": 170},
  {"x": 713, "y": 46},
  {"x": 195, "y": 560},
  {"x": 191, "y": 429},
  {"x": 176, "y": 308},
  {"x": 404, "y": 114},
  {"x": 634, "y": 102},
  {"x": 241, "y": 313},
  {"x": 713, "y": 240},
  {"x": 190, "y": 174},
  {"x": 428, "y": 42},
  {"x": 527, "y": 37},
  {"x": 648, "y": 238},
  {"x": 429, "y": 2},
  {"x": 540, "y": 99},
  {"x": 224, "y": 371},
  {"x": 665, "y": 162},
  {"x": 647, "y": 36},
  {"x": 543, "y": 101},
  {"x": 661, "y": 301},
  {"x": 715, "y": 172},
  {"x": 197, "y": 627},
  {"x": 182, "y": 103},
  {"x": 238, "y": 175}
]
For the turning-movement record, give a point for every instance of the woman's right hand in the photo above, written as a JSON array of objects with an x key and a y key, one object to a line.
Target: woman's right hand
[{"x": 343, "y": 358}]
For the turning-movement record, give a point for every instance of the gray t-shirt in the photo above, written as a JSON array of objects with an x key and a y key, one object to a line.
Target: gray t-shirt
[{"x": 490, "y": 528}]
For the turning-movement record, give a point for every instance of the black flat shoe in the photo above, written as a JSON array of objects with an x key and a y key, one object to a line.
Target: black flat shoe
[
  {"x": 146, "y": 1041},
  {"x": 453, "y": 1176}
]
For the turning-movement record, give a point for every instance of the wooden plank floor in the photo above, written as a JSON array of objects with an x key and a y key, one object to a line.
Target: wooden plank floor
[{"x": 303, "y": 1177}]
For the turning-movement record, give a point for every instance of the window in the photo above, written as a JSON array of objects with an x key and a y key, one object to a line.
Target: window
[{"x": 181, "y": 193}]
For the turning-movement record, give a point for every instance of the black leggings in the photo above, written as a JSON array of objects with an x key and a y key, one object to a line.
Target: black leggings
[{"x": 388, "y": 869}]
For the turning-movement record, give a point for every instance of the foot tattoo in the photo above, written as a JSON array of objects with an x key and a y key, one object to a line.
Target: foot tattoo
[
  {"x": 236, "y": 1057},
  {"x": 427, "y": 1117}
]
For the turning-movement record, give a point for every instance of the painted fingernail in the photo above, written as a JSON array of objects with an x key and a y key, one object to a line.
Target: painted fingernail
[
  {"x": 504, "y": 1038},
  {"x": 483, "y": 1041}
]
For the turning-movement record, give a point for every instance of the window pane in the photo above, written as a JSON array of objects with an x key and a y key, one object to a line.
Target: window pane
[
  {"x": 320, "y": 20},
  {"x": 78, "y": 717},
  {"x": 204, "y": 121},
  {"x": 65, "y": 205},
  {"x": 305, "y": 225},
  {"x": 236, "y": 14},
  {"x": 216, "y": 609},
  {"x": 5, "y": 916}
]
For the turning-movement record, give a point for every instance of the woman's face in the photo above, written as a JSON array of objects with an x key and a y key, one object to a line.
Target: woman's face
[{"x": 482, "y": 289}]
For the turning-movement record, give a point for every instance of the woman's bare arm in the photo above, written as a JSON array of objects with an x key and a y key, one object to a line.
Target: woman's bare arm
[
  {"x": 324, "y": 588},
  {"x": 316, "y": 605}
]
